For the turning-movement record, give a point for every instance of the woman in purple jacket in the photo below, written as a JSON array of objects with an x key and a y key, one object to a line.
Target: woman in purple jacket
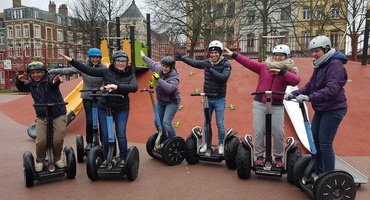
[
  {"x": 326, "y": 93},
  {"x": 275, "y": 75},
  {"x": 167, "y": 92}
]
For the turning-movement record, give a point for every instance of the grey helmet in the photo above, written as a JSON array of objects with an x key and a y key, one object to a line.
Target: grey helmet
[
  {"x": 320, "y": 41},
  {"x": 118, "y": 54},
  {"x": 169, "y": 61},
  {"x": 36, "y": 66}
]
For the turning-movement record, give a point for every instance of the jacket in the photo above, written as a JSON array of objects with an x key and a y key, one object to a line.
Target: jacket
[
  {"x": 167, "y": 87},
  {"x": 125, "y": 80},
  {"x": 44, "y": 91},
  {"x": 325, "y": 87}
]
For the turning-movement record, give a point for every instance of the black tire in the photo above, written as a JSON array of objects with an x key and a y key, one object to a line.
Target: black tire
[
  {"x": 28, "y": 169},
  {"x": 335, "y": 185},
  {"x": 191, "y": 155},
  {"x": 243, "y": 161},
  {"x": 293, "y": 156},
  {"x": 231, "y": 147},
  {"x": 299, "y": 168},
  {"x": 71, "y": 162},
  {"x": 150, "y": 144},
  {"x": 94, "y": 159},
  {"x": 80, "y": 148},
  {"x": 132, "y": 163},
  {"x": 174, "y": 151},
  {"x": 31, "y": 131}
]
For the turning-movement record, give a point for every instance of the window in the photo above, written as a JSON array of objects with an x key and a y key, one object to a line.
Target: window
[
  {"x": 59, "y": 19},
  {"x": 37, "y": 50},
  {"x": 11, "y": 49},
  {"x": 60, "y": 50},
  {"x": 36, "y": 14},
  {"x": 27, "y": 48},
  {"x": 79, "y": 38},
  {"x": 218, "y": 10},
  {"x": 320, "y": 12},
  {"x": 334, "y": 37},
  {"x": 10, "y": 33},
  {"x": 335, "y": 11},
  {"x": 305, "y": 39},
  {"x": 230, "y": 12},
  {"x": 306, "y": 14},
  {"x": 17, "y": 14},
  {"x": 2, "y": 39},
  {"x": 251, "y": 17},
  {"x": 26, "y": 31},
  {"x": 70, "y": 52},
  {"x": 79, "y": 55},
  {"x": 285, "y": 14},
  {"x": 48, "y": 33},
  {"x": 70, "y": 37},
  {"x": 36, "y": 31},
  {"x": 19, "y": 50},
  {"x": 60, "y": 35},
  {"x": 18, "y": 33},
  {"x": 250, "y": 42}
]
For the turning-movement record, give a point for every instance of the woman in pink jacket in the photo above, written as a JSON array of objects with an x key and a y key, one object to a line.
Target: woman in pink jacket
[{"x": 275, "y": 75}]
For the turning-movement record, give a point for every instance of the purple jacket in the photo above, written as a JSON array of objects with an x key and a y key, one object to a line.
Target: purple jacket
[
  {"x": 325, "y": 87},
  {"x": 268, "y": 81},
  {"x": 167, "y": 88}
]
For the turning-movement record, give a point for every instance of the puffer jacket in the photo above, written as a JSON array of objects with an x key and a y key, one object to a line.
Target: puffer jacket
[
  {"x": 44, "y": 91},
  {"x": 125, "y": 80},
  {"x": 215, "y": 77}
]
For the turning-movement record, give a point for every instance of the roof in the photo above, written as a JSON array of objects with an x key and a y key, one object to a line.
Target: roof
[{"x": 132, "y": 12}]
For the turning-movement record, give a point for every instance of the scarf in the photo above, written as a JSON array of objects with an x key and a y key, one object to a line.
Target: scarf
[
  {"x": 317, "y": 62},
  {"x": 287, "y": 64},
  {"x": 218, "y": 61}
]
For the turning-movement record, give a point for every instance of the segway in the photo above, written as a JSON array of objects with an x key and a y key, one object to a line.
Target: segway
[
  {"x": 245, "y": 154},
  {"x": 194, "y": 141},
  {"x": 96, "y": 155},
  {"x": 51, "y": 171},
  {"x": 336, "y": 184},
  {"x": 171, "y": 151}
]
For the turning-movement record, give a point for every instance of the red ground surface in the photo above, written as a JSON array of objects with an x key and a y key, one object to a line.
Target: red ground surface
[{"x": 351, "y": 140}]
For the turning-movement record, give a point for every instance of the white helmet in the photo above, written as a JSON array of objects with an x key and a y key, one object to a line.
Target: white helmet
[
  {"x": 216, "y": 45},
  {"x": 282, "y": 48},
  {"x": 320, "y": 41}
]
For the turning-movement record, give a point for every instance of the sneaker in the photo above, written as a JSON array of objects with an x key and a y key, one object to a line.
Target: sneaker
[
  {"x": 279, "y": 161},
  {"x": 122, "y": 163},
  {"x": 221, "y": 149},
  {"x": 39, "y": 167},
  {"x": 314, "y": 176},
  {"x": 88, "y": 147},
  {"x": 60, "y": 163},
  {"x": 203, "y": 149},
  {"x": 103, "y": 164},
  {"x": 259, "y": 160}
]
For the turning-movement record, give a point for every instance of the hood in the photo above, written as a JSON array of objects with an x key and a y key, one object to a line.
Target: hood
[{"x": 339, "y": 55}]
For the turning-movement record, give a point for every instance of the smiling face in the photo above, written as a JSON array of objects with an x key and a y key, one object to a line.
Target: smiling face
[
  {"x": 214, "y": 56},
  {"x": 166, "y": 69},
  {"x": 120, "y": 64},
  {"x": 95, "y": 60},
  {"x": 279, "y": 57},
  {"x": 36, "y": 75},
  {"x": 317, "y": 53}
]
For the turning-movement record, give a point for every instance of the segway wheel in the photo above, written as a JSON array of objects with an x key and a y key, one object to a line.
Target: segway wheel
[
  {"x": 243, "y": 161},
  {"x": 80, "y": 148},
  {"x": 31, "y": 131},
  {"x": 71, "y": 162},
  {"x": 299, "y": 168},
  {"x": 335, "y": 185},
  {"x": 151, "y": 143},
  {"x": 132, "y": 163},
  {"x": 231, "y": 147},
  {"x": 293, "y": 156},
  {"x": 174, "y": 151},
  {"x": 191, "y": 155},
  {"x": 28, "y": 168},
  {"x": 94, "y": 159}
]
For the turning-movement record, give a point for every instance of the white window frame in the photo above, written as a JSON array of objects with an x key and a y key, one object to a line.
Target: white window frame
[
  {"x": 18, "y": 32},
  {"x": 27, "y": 50},
  {"x": 26, "y": 31},
  {"x": 37, "y": 50},
  {"x": 10, "y": 32},
  {"x": 306, "y": 13},
  {"x": 37, "y": 31},
  {"x": 60, "y": 35}
]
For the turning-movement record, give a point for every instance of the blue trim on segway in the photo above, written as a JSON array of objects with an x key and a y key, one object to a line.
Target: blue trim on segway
[{"x": 111, "y": 138}]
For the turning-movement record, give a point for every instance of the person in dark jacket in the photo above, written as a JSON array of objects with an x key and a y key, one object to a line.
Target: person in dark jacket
[
  {"x": 326, "y": 93},
  {"x": 217, "y": 70},
  {"x": 167, "y": 92},
  {"x": 119, "y": 78},
  {"x": 44, "y": 88},
  {"x": 89, "y": 83}
]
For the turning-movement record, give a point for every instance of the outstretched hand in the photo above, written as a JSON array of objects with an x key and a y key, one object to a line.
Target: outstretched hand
[
  {"x": 57, "y": 78},
  {"x": 178, "y": 55},
  {"x": 67, "y": 58},
  {"x": 23, "y": 77},
  {"x": 142, "y": 53},
  {"x": 228, "y": 52}
]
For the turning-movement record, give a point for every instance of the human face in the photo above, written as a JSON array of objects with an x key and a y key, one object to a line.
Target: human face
[
  {"x": 166, "y": 69},
  {"x": 279, "y": 57},
  {"x": 317, "y": 53},
  {"x": 120, "y": 64},
  {"x": 214, "y": 55},
  {"x": 95, "y": 60},
  {"x": 36, "y": 75}
]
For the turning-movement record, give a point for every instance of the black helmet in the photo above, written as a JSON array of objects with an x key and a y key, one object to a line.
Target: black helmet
[
  {"x": 118, "y": 54},
  {"x": 169, "y": 61},
  {"x": 36, "y": 66}
]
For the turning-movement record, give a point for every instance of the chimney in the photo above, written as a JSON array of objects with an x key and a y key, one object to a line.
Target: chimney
[
  {"x": 63, "y": 10},
  {"x": 17, "y": 3},
  {"x": 52, "y": 7}
]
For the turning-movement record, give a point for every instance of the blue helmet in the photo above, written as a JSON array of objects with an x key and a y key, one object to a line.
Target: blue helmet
[{"x": 94, "y": 52}]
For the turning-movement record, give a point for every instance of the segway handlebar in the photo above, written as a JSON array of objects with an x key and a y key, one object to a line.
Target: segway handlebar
[
  {"x": 268, "y": 92},
  {"x": 147, "y": 90},
  {"x": 90, "y": 90},
  {"x": 205, "y": 94},
  {"x": 49, "y": 104},
  {"x": 107, "y": 95}
]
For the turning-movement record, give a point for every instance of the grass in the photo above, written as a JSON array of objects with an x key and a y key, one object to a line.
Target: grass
[{"x": 6, "y": 91}]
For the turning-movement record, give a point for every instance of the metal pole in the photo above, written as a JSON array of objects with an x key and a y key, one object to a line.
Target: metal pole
[
  {"x": 132, "y": 42},
  {"x": 97, "y": 33},
  {"x": 149, "y": 36},
  {"x": 118, "y": 32},
  {"x": 366, "y": 37}
]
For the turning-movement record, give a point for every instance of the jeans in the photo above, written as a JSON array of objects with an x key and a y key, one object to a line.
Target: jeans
[
  {"x": 324, "y": 128},
  {"x": 166, "y": 114},
  {"x": 89, "y": 121},
  {"x": 120, "y": 121},
  {"x": 218, "y": 105}
]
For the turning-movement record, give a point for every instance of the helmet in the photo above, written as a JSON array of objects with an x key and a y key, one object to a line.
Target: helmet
[
  {"x": 282, "y": 48},
  {"x": 320, "y": 41},
  {"x": 94, "y": 52},
  {"x": 36, "y": 66},
  {"x": 118, "y": 54},
  {"x": 169, "y": 61},
  {"x": 216, "y": 45}
]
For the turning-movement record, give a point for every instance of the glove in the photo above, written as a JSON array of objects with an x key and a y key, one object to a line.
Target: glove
[
  {"x": 288, "y": 96},
  {"x": 178, "y": 55},
  {"x": 300, "y": 98},
  {"x": 154, "y": 80}
]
